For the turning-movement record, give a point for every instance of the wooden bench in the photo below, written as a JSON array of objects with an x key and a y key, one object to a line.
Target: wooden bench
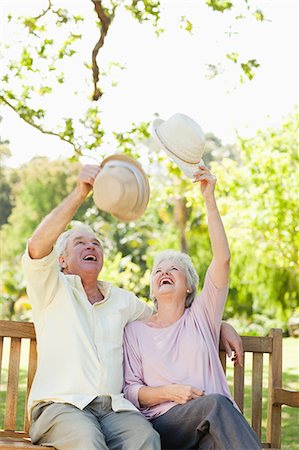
[{"x": 12, "y": 437}]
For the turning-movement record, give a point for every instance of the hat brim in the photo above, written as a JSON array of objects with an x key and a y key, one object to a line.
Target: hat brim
[
  {"x": 142, "y": 181},
  {"x": 187, "y": 168}
]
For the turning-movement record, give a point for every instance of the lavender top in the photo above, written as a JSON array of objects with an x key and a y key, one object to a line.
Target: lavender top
[{"x": 186, "y": 352}]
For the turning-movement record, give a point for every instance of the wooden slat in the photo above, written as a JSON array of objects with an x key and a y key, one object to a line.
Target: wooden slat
[
  {"x": 239, "y": 385},
  {"x": 13, "y": 434},
  {"x": 255, "y": 344},
  {"x": 17, "y": 329},
  {"x": 20, "y": 444},
  {"x": 12, "y": 384},
  {"x": 285, "y": 397},
  {"x": 275, "y": 380},
  {"x": 223, "y": 360},
  {"x": 31, "y": 372},
  {"x": 257, "y": 393},
  {"x": 1, "y": 352}
]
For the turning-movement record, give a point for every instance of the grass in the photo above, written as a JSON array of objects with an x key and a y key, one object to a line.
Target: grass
[{"x": 290, "y": 416}]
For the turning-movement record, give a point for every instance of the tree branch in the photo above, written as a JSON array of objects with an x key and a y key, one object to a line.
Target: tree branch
[
  {"x": 105, "y": 21},
  {"x": 44, "y": 12},
  {"x": 77, "y": 150}
]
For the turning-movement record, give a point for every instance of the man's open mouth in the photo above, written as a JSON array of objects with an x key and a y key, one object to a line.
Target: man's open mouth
[{"x": 90, "y": 258}]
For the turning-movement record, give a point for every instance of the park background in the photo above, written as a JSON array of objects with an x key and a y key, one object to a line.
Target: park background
[{"x": 233, "y": 67}]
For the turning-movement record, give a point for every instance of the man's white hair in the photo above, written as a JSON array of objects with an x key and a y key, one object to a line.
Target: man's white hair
[
  {"x": 184, "y": 262},
  {"x": 61, "y": 243}
]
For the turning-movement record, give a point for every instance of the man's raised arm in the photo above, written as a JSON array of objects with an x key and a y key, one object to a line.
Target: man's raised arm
[{"x": 44, "y": 237}]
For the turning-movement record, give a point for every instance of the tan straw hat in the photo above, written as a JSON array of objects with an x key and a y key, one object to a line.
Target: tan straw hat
[
  {"x": 121, "y": 188},
  {"x": 182, "y": 139}
]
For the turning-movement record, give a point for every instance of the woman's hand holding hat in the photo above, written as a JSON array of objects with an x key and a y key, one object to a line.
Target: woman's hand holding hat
[
  {"x": 207, "y": 181},
  {"x": 183, "y": 140}
]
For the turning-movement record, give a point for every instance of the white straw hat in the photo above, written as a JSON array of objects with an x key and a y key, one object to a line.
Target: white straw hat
[
  {"x": 121, "y": 188},
  {"x": 182, "y": 139}
]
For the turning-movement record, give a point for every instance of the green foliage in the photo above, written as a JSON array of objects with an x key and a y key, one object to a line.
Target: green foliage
[
  {"x": 259, "y": 15},
  {"x": 256, "y": 187},
  {"x": 219, "y": 5},
  {"x": 13, "y": 300},
  {"x": 260, "y": 196},
  {"x": 144, "y": 10},
  {"x": 38, "y": 187},
  {"x": 257, "y": 194},
  {"x": 247, "y": 67},
  {"x": 186, "y": 24},
  {"x": 6, "y": 200}
]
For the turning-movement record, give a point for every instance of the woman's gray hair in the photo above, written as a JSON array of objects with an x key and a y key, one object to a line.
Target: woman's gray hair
[
  {"x": 61, "y": 242},
  {"x": 184, "y": 262}
]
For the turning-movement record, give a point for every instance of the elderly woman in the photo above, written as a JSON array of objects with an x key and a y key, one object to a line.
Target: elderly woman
[{"x": 173, "y": 372}]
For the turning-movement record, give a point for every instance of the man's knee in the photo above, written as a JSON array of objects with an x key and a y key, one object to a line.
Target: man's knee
[
  {"x": 90, "y": 438},
  {"x": 148, "y": 438},
  {"x": 65, "y": 427},
  {"x": 152, "y": 439}
]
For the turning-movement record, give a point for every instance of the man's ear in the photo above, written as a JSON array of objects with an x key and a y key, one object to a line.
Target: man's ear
[{"x": 62, "y": 262}]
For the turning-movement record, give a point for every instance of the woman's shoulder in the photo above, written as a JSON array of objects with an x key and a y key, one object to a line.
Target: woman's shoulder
[{"x": 135, "y": 326}]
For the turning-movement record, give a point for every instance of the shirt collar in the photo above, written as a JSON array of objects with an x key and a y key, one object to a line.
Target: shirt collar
[{"x": 104, "y": 286}]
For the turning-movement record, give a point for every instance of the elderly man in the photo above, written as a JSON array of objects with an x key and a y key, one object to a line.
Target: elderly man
[{"x": 76, "y": 400}]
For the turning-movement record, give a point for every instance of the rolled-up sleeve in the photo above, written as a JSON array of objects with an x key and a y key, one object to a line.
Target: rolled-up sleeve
[
  {"x": 133, "y": 373},
  {"x": 139, "y": 309},
  {"x": 42, "y": 277}
]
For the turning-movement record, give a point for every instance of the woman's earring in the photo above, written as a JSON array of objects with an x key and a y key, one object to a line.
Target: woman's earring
[{"x": 189, "y": 291}]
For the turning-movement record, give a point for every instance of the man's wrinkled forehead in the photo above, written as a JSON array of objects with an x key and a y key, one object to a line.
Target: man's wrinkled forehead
[{"x": 87, "y": 236}]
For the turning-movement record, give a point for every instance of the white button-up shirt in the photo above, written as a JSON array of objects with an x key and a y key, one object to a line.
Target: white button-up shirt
[{"x": 79, "y": 345}]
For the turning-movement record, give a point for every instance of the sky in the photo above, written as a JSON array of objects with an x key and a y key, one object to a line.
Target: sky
[{"x": 168, "y": 74}]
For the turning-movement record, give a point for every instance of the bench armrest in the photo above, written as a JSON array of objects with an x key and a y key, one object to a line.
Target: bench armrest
[{"x": 285, "y": 397}]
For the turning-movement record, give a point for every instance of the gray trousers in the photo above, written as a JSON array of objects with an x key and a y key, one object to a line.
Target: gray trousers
[
  {"x": 207, "y": 423},
  {"x": 96, "y": 427}
]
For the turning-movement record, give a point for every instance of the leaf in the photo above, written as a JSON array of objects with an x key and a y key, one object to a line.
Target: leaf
[
  {"x": 219, "y": 5},
  {"x": 44, "y": 90},
  {"x": 233, "y": 56},
  {"x": 26, "y": 59},
  {"x": 186, "y": 24},
  {"x": 259, "y": 15},
  {"x": 247, "y": 68}
]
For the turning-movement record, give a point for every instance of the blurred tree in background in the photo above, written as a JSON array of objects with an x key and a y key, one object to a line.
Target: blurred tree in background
[
  {"x": 258, "y": 200},
  {"x": 6, "y": 200},
  {"x": 36, "y": 188},
  {"x": 261, "y": 197}
]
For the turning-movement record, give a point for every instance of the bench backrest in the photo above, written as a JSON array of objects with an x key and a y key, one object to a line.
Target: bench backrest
[
  {"x": 17, "y": 332},
  {"x": 257, "y": 346}
]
